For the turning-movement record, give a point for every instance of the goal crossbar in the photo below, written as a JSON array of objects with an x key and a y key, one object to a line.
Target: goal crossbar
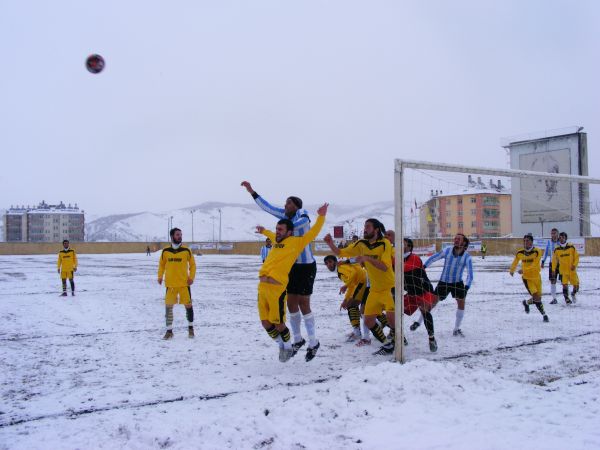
[{"x": 399, "y": 166}]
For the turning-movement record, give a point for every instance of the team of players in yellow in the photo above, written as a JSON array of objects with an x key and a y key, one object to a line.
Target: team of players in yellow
[
  {"x": 565, "y": 260},
  {"x": 374, "y": 255}
]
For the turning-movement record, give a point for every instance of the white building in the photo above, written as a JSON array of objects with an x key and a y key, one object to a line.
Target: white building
[{"x": 44, "y": 223}]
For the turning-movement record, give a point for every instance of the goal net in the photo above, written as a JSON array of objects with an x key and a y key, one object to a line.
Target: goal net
[{"x": 439, "y": 205}]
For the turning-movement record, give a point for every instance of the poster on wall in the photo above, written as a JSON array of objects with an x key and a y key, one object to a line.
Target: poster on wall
[{"x": 545, "y": 200}]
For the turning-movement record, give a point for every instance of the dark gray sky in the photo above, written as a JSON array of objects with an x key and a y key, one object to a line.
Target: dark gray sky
[{"x": 305, "y": 97}]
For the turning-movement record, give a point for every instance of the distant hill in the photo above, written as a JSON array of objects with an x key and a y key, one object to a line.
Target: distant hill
[{"x": 238, "y": 222}]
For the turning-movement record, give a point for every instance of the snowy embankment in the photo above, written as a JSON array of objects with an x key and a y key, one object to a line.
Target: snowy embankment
[{"x": 91, "y": 371}]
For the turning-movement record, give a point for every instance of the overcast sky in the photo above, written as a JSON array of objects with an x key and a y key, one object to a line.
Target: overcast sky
[{"x": 312, "y": 98}]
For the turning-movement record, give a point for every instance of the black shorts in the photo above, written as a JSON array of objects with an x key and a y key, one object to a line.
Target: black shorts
[
  {"x": 302, "y": 278},
  {"x": 551, "y": 277},
  {"x": 457, "y": 290}
]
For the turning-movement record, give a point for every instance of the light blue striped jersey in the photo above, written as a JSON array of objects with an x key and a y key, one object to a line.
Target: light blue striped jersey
[
  {"x": 454, "y": 266},
  {"x": 550, "y": 246},
  {"x": 301, "y": 223},
  {"x": 264, "y": 252}
]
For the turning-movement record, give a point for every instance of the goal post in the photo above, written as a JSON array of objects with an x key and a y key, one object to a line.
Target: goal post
[{"x": 578, "y": 194}]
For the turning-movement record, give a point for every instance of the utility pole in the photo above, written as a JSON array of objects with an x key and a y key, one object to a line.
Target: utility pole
[
  {"x": 192, "y": 213},
  {"x": 219, "y": 226}
]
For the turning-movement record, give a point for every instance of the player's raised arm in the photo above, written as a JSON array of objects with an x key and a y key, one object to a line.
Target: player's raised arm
[{"x": 314, "y": 231}]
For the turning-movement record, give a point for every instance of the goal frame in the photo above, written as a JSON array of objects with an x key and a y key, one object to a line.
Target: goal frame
[{"x": 399, "y": 166}]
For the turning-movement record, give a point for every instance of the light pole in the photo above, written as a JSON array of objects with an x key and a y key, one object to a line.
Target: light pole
[
  {"x": 213, "y": 222},
  {"x": 192, "y": 211},
  {"x": 542, "y": 222},
  {"x": 219, "y": 226}
]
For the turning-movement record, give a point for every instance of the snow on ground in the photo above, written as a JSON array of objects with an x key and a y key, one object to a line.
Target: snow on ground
[{"x": 92, "y": 371}]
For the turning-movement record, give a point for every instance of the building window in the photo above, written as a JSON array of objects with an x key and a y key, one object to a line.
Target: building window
[
  {"x": 460, "y": 213},
  {"x": 448, "y": 201},
  {"x": 473, "y": 200},
  {"x": 448, "y": 225},
  {"x": 459, "y": 201},
  {"x": 460, "y": 225},
  {"x": 473, "y": 212},
  {"x": 491, "y": 201},
  {"x": 474, "y": 224}
]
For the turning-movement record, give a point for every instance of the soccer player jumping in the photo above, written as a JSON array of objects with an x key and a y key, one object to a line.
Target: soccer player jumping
[
  {"x": 456, "y": 259},
  {"x": 303, "y": 272},
  {"x": 529, "y": 257},
  {"x": 274, "y": 277}
]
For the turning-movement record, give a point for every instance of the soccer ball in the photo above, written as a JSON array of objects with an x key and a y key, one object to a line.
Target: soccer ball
[{"x": 94, "y": 63}]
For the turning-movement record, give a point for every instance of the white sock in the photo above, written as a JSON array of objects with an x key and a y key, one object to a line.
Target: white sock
[
  {"x": 309, "y": 323},
  {"x": 356, "y": 331},
  {"x": 279, "y": 341},
  {"x": 420, "y": 319},
  {"x": 366, "y": 333},
  {"x": 295, "y": 322},
  {"x": 287, "y": 345},
  {"x": 460, "y": 313},
  {"x": 553, "y": 290}
]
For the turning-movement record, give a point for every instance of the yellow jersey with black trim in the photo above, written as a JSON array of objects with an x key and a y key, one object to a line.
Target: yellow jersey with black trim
[
  {"x": 530, "y": 262},
  {"x": 177, "y": 265},
  {"x": 565, "y": 257},
  {"x": 67, "y": 260},
  {"x": 381, "y": 250},
  {"x": 351, "y": 275},
  {"x": 283, "y": 254}
]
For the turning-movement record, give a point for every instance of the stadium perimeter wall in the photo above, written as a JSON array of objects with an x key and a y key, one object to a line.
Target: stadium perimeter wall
[{"x": 500, "y": 246}]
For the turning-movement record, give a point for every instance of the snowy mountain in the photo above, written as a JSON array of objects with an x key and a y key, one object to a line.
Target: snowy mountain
[{"x": 237, "y": 222}]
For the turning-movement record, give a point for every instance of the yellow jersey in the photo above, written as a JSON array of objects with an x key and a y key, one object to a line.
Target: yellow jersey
[
  {"x": 67, "y": 260},
  {"x": 530, "y": 262},
  {"x": 351, "y": 275},
  {"x": 381, "y": 250},
  {"x": 283, "y": 254},
  {"x": 565, "y": 257},
  {"x": 177, "y": 264}
]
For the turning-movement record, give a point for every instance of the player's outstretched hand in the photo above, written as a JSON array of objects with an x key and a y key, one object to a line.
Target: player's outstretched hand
[
  {"x": 322, "y": 211},
  {"x": 542, "y": 264},
  {"x": 260, "y": 228},
  {"x": 190, "y": 281},
  {"x": 328, "y": 239},
  {"x": 58, "y": 270},
  {"x": 248, "y": 186}
]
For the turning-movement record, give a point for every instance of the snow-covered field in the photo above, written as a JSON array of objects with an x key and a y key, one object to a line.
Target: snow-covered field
[{"x": 92, "y": 371}]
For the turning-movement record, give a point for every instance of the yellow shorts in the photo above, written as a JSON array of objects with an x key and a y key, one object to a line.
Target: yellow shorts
[
  {"x": 64, "y": 274},
  {"x": 534, "y": 286},
  {"x": 184, "y": 294},
  {"x": 356, "y": 292},
  {"x": 379, "y": 301},
  {"x": 271, "y": 302},
  {"x": 570, "y": 278}
]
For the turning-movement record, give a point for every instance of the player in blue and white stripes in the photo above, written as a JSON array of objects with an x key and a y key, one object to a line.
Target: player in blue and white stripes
[
  {"x": 456, "y": 260},
  {"x": 264, "y": 250},
  {"x": 550, "y": 246},
  {"x": 302, "y": 275}
]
